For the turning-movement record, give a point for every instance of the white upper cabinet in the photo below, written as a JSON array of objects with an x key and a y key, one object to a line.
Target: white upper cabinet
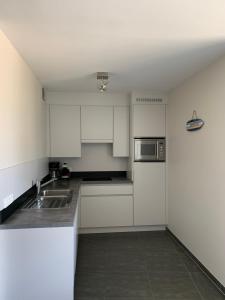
[
  {"x": 149, "y": 120},
  {"x": 65, "y": 131},
  {"x": 121, "y": 131},
  {"x": 97, "y": 124}
]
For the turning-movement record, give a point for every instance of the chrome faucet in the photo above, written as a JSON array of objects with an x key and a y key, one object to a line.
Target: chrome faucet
[{"x": 39, "y": 185}]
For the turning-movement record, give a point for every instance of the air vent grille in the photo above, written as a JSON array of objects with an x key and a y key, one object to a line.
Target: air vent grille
[{"x": 149, "y": 100}]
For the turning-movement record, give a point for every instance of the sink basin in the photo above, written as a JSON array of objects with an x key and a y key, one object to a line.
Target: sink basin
[
  {"x": 50, "y": 199},
  {"x": 49, "y": 202},
  {"x": 56, "y": 193}
]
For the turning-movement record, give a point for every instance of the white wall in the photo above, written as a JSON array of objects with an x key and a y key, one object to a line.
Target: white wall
[
  {"x": 14, "y": 181},
  {"x": 96, "y": 157},
  {"x": 196, "y": 186},
  {"x": 22, "y": 122}
]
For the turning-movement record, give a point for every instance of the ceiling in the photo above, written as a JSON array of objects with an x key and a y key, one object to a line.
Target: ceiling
[{"x": 143, "y": 44}]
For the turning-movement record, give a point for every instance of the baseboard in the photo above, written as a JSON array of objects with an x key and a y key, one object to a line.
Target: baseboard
[
  {"x": 211, "y": 277},
  {"x": 122, "y": 229}
]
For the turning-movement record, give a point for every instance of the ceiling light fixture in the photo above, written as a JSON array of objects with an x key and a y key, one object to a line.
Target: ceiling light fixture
[{"x": 102, "y": 81}]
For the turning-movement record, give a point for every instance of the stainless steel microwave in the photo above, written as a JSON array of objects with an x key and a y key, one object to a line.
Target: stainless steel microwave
[{"x": 150, "y": 149}]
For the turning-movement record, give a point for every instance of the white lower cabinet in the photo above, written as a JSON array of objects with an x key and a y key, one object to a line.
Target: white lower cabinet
[
  {"x": 104, "y": 189},
  {"x": 75, "y": 234},
  {"x": 149, "y": 194},
  {"x": 106, "y": 205},
  {"x": 38, "y": 263},
  {"x": 106, "y": 211}
]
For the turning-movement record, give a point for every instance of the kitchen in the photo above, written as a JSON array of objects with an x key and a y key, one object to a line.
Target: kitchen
[{"x": 139, "y": 212}]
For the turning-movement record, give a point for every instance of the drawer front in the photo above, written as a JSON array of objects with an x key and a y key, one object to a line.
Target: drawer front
[
  {"x": 112, "y": 189},
  {"x": 106, "y": 211}
]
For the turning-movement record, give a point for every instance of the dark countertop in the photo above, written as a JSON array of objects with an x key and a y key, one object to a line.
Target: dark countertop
[
  {"x": 38, "y": 218},
  {"x": 62, "y": 217},
  {"x": 116, "y": 180}
]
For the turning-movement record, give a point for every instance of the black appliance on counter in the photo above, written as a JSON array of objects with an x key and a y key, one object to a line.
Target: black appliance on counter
[{"x": 54, "y": 169}]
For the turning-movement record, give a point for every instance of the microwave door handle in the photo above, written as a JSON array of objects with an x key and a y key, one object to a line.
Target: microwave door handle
[{"x": 137, "y": 151}]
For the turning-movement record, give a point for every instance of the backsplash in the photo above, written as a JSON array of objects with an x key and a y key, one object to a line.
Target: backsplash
[
  {"x": 95, "y": 157},
  {"x": 14, "y": 181}
]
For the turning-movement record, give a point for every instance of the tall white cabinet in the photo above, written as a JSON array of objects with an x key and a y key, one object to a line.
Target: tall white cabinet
[
  {"x": 65, "y": 131},
  {"x": 149, "y": 120},
  {"x": 149, "y": 194}
]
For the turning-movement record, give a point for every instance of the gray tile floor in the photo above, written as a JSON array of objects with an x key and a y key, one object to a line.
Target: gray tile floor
[{"x": 138, "y": 266}]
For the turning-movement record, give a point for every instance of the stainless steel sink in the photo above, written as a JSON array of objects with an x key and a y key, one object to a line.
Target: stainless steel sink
[
  {"x": 56, "y": 193},
  {"x": 50, "y": 199}
]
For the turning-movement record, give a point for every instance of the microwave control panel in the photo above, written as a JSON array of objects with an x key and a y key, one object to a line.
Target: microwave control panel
[{"x": 161, "y": 150}]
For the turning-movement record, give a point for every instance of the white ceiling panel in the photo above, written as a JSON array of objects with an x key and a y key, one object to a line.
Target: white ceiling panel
[{"x": 145, "y": 44}]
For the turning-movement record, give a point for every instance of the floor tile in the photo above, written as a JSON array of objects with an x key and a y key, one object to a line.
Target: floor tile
[
  {"x": 90, "y": 285},
  {"x": 153, "y": 234},
  {"x": 179, "y": 296},
  {"x": 134, "y": 284},
  {"x": 171, "y": 285},
  {"x": 118, "y": 260},
  {"x": 161, "y": 243},
  {"x": 126, "y": 260},
  {"x": 128, "y": 235},
  {"x": 189, "y": 263},
  {"x": 128, "y": 240},
  {"x": 206, "y": 288},
  {"x": 177, "y": 245},
  {"x": 93, "y": 262},
  {"x": 129, "y": 298},
  {"x": 164, "y": 262},
  {"x": 96, "y": 243},
  {"x": 89, "y": 298},
  {"x": 138, "y": 266}
]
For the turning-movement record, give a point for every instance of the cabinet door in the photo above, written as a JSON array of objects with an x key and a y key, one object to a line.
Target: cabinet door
[
  {"x": 106, "y": 211},
  {"x": 65, "y": 131},
  {"x": 106, "y": 189},
  {"x": 121, "y": 131},
  {"x": 149, "y": 120},
  {"x": 149, "y": 194},
  {"x": 97, "y": 123}
]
